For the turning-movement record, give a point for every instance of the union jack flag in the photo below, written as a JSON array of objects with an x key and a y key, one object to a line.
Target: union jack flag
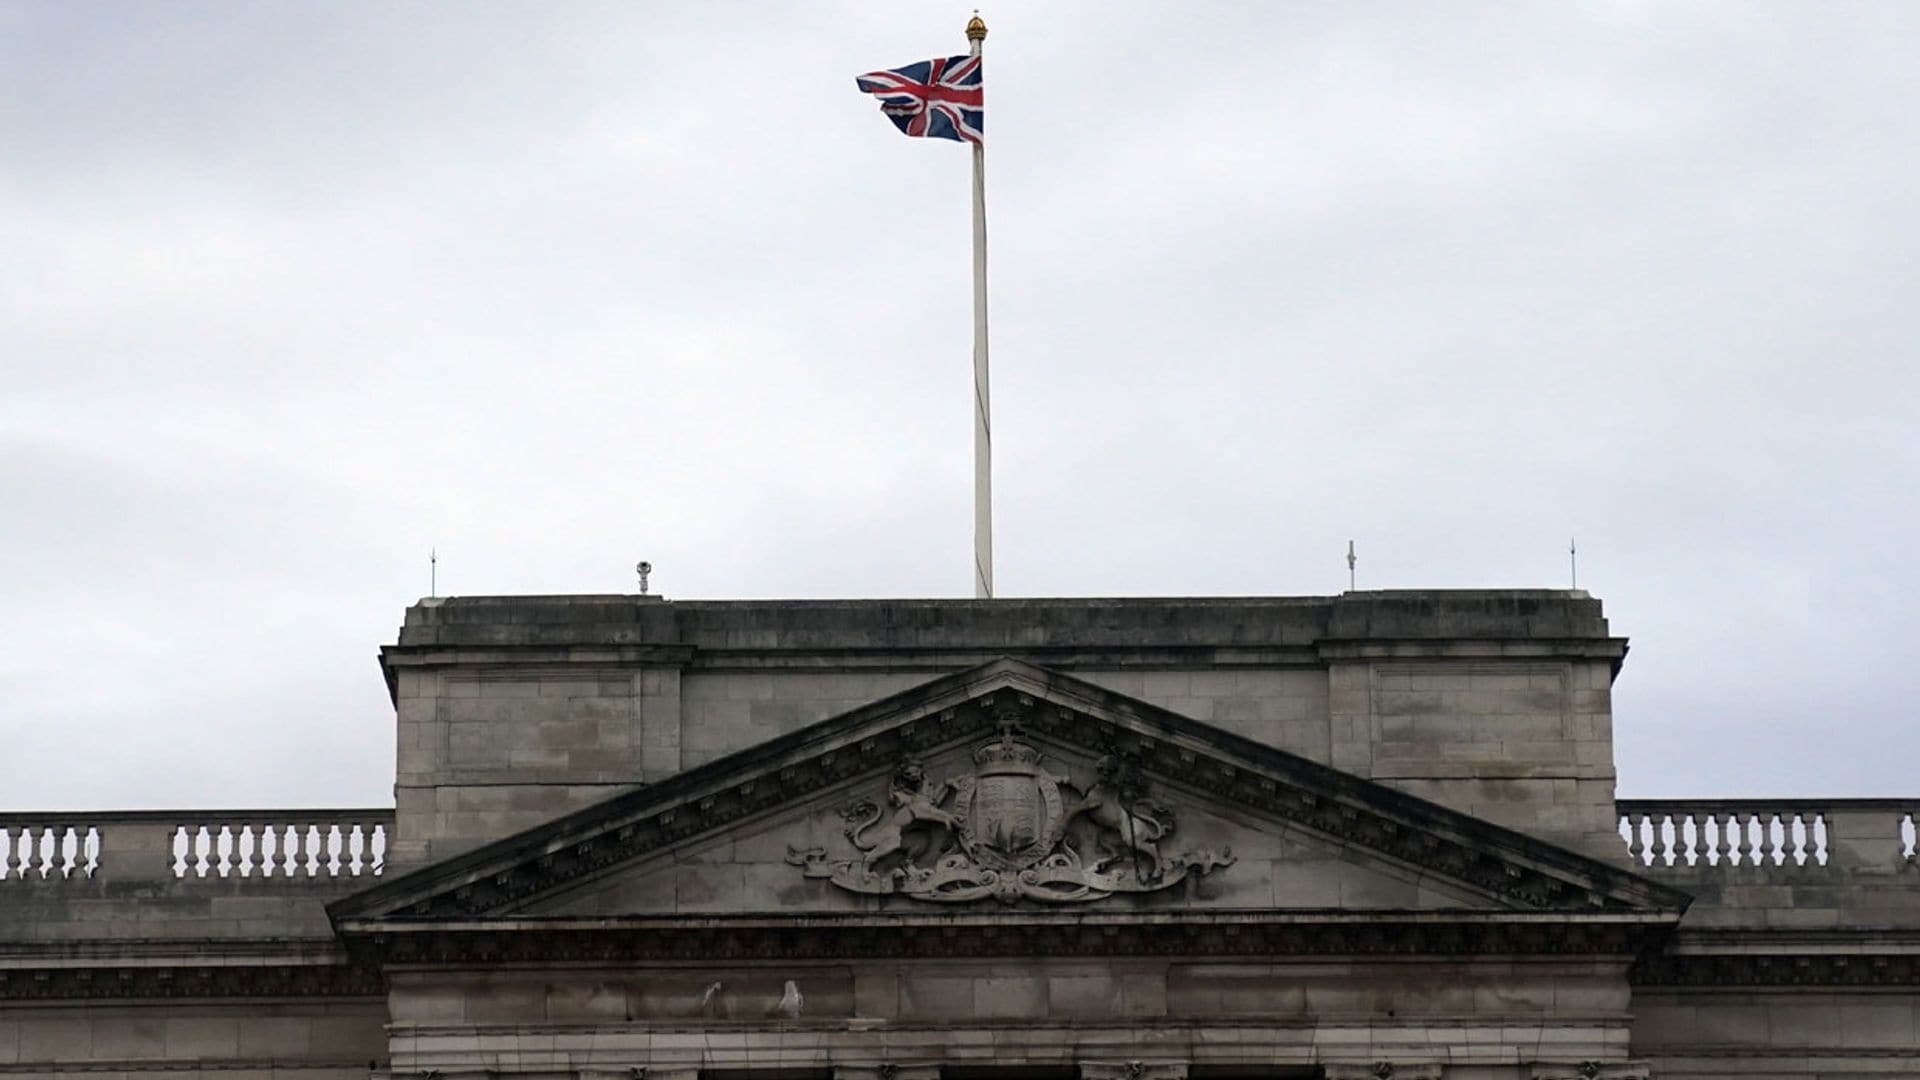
[{"x": 939, "y": 99}]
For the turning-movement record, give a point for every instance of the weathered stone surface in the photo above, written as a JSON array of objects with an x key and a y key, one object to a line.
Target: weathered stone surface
[{"x": 599, "y": 865}]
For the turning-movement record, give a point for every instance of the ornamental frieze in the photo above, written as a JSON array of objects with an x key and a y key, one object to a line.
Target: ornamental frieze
[{"x": 1010, "y": 830}]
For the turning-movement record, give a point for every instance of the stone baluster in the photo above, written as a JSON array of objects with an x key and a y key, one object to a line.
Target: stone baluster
[
  {"x": 236, "y": 857},
  {"x": 37, "y": 852},
  {"x": 176, "y": 862},
  {"x": 250, "y": 855},
  {"x": 240, "y": 856},
  {"x": 1734, "y": 827},
  {"x": 1714, "y": 829},
  {"x": 201, "y": 844},
  {"x": 73, "y": 851},
  {"x": 1743, "y": 837},
  {"x": 1799, "y": 839},
  {"x": 57, "y": 851},
  {"x": 1754, "y": 829},
  {"x": 282, "y": 860},
  {"x": 29, "y": 850},
  {"x": 8, "y": 854},
  {"x": 1636, "y": 838}
]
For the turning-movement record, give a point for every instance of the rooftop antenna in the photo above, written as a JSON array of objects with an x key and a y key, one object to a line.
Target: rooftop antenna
[
  {"x": 644, "y": 569},
  {"x": 1573, "y": 565},
  {"x": 433, "y": 573},
  {"x": 1352, "y": 561}
]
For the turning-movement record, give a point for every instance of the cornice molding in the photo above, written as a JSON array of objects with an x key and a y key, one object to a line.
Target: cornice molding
[
  {"x": 1235, "y": 935},
  {"x": 192, "y": 981},
  {"x": 1777, "y": 970}
]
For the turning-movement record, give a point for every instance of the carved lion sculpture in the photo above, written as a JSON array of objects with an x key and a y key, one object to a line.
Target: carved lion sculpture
[
  {"x": 878, "y": 833},
  {"x": 1118, "y": 808}
]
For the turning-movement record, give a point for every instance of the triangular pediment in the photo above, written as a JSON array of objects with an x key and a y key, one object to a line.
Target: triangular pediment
[{"x": 1028, "y": 788}]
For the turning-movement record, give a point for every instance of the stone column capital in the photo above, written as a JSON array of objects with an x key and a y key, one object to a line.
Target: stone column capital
[
  {"x": 665, "y": 1072},
  {"x": 1593, "y": 1070},
  {"x": 886, "y": 1070},
  {"x": 1385, "y": 1070},
  {"x": 1133, "y": 1070}
]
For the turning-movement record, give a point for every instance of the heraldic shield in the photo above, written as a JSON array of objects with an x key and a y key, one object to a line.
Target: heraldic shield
[
  {"x": 1010, "y": 811},
  {"x": 1003, "y": 832}
]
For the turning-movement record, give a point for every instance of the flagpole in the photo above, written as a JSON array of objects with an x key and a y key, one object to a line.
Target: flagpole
[{"x": 982, "y": 426}]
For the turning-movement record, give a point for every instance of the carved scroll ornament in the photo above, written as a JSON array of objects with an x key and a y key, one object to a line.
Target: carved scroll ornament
[
  {"x": 1593, "y": 1070},
  {"x": 1010, "y": 830}
]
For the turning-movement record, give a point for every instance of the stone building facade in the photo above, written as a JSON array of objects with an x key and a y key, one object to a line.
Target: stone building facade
[{"x": 1372, "y": 835}]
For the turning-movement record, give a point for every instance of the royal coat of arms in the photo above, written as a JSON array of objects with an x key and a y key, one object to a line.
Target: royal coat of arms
[{"x": 1010, "y": 830}]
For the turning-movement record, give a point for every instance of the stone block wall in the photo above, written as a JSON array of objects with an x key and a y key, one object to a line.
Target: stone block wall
[
  {"x": 1524, "y": 743},
  {"x": 1778, "y": 1034},
  {"x": 514, "y": 710},
  {"x": 188, "y": 1040},
  {"x": 1489, "y": 1020}
]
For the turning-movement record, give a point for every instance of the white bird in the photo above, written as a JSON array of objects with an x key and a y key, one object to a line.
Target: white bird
[
  {"x": 790, "y": 1002},
  {"x": 707, "y": 1002}
]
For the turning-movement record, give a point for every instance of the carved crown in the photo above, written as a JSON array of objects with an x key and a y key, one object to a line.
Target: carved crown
[{"x": 1006, "y": 752}]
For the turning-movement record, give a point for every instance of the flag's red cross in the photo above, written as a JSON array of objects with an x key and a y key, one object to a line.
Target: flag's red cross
[{"x": 939, "y": 99}]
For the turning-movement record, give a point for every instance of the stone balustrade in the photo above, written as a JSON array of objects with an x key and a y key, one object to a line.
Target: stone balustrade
[
  {"x": 159, "y": 845},
  {"x": 1806, "y": 833},
  {"x": 164, "y": 845}
]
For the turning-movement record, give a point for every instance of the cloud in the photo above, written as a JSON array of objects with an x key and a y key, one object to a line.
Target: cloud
[{"x": 293, "y": 297}]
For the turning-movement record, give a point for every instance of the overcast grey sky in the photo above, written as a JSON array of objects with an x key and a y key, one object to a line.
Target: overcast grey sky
[{"x": 293, "y": 293}]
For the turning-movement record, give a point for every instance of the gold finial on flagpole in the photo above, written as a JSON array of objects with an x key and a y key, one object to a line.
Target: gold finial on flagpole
[{"x": 976, "y": 28}]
